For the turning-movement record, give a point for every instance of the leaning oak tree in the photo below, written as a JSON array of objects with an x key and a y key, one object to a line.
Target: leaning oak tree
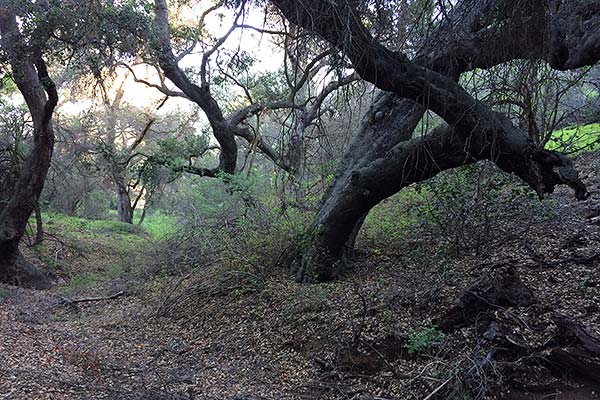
[
  {"x": 384, "y": 157},
  {"x": 30, "y": 74},
  {"x": 222, "y": 129}
]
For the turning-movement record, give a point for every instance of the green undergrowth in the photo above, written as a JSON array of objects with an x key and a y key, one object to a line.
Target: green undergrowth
[
  {"x": 117, "y": 236},
  {"x": 576, "y": 139},
  {"x": 160, "y": 225},
  {"x": 458, "y": 212},
  {"x": 424, "y": 338},
  {"x": 90, "y": 254}
]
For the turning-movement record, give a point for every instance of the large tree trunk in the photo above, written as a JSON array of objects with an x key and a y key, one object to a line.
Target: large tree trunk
[
  {"x": 345, "y": 204},
  {"x": 16, "y": 270},
  {"x": 31, "y": 76},
  {"x": 477, "y": 132},
  {"x": 124, "y": 208}
]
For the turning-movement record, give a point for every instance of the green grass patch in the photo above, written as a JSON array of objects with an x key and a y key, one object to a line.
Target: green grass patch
[
  {"x": 88, "y": 236},
  {"x": 90, "y": 226},
  {"x": 576, "y": 140},
  {"x": 3, "y": 293},
  {"x": 91, "y": 242},
  {"x": 81, "y": 282},
  {"x": 89, "y": 253},
  {"x": 159, "y": 225},
  {"x": 115, "y": 271},
  {"x": 114, "y": 227},
  {"x": 82, "y": 227}
]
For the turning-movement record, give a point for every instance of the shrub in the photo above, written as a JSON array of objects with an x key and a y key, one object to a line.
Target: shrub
[
  {"x": 464, "y": 210},
  {"x": 238, "y": 224},
  {"x": 80, "y": 283},
  {"x": 424, "y": 338}
]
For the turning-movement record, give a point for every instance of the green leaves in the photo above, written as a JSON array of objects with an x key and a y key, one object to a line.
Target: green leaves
[
  {"x": 7, "y": 84},
  {"x": 95, "y": 35},
  {"x": 424, "y": 338},
  {"x": 576, "y": 139},
  {"x": 268, "y": 86},
  {"x": 180, "y": 151}
]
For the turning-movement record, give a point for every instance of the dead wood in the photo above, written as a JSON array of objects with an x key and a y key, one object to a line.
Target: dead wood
[
  {"x": 572, "y": 333},
  {"x": 91, "y": 299},
  {"x": 577, "y": 364},
  {"x": 501, "y": 289}
]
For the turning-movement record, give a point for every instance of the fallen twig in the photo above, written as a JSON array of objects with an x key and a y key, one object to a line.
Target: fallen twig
[
  {"x": 90, "y": 299},
  {"x": 438, "y": 389}
]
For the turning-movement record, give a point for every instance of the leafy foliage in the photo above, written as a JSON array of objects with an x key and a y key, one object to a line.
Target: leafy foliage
[
  {"x": 92, "y": 36},
  {"x": 576, "y": 139},
  {"x": 424, "y": 338},
  {"x": 268, "y": 86},
  {"x": 180, "y": 151},
  {"x": 464, "y": 210},
  {"x": 237, "y": 223}
]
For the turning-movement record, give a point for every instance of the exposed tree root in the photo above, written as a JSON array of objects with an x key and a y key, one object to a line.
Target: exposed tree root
[{"x": 18, "y": 271}]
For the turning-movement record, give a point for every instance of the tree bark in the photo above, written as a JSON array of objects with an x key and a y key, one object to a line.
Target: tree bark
[
  {"x": 124, "y": 208},
  {"x": 375, "y": 169},
  {"x": 16, "y": 270},
  {"x": 39, "y": 224},
  {"x": 31, "y": 76},
  {"x": 344, "y": 206}
]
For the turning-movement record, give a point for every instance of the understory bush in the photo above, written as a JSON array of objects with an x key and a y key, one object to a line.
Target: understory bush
[
  {"x": 424, "y": 338},
  {"x": 463, "y": 210},
  {"x": 237, "y": 222}
]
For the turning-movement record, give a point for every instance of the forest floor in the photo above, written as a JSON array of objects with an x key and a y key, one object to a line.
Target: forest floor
[{"x": 369, "y": 336}]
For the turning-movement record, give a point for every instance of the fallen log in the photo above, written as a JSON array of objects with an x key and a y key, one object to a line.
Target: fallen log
[
  {"x": 574, "y": 363},
  {"x": 500, "y": 289},
  {"x": 572, "y": 333}
]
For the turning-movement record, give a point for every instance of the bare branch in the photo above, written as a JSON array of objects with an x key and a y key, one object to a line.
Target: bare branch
[
  {"x": 161, "y": 88},
  {"x": 218, "y": 44}
]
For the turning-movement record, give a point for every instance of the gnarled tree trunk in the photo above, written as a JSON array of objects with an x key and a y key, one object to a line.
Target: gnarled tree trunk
[
  {"x": 223, "y": 131},
  {"x": 124, "y": 208},
  {"x": 462, "y": 42},
  {"x": 390, "y": 122},
  {"x": 31, "y": 76}
]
